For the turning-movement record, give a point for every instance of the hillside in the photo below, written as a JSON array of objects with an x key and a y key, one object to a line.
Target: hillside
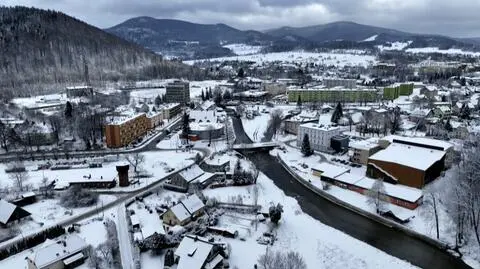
[
  {"x": 40, "y": 47},
  {"x": 184, "y": 39}
]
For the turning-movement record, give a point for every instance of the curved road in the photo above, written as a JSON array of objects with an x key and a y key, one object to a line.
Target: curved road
[{"x": 391, "y": 241}]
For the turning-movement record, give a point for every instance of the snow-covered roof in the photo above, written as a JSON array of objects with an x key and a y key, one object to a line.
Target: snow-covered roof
[
  {"x": 330, "y": 170},
  {"x": 364, "y": 144},
  {"x": 398, "y": 191},
  {"x": 192, "y": 203},
  {"x": 419, "y": 140},
  {"x": 193, "y": 252},
  {"x": 201, "y": 179},
  {"x": 411, "y": 156},
  {"x": 349, "y": 178},
  {"x": 321, "y": 127},
  {"x": 28, "y": 194},
  {"x": 134, "y": 219},
  {"x": 180, "y": 212},
  {"x": 192, "y": 173},
  {"x": 152, "y": 226},
  {"x": 214, "y": 262},
  {"x": 207, "y": 104},
  {"x": 6, "y": 211},
  {"x": 62, "y": 247}
]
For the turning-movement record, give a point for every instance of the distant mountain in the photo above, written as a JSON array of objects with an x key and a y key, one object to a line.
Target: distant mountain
[
  {"x": 352, "y": 34},
  {"x": 335, "y": 31},
  {"x": 39, "y": 47},
  {"x": 173, "y": 36}
]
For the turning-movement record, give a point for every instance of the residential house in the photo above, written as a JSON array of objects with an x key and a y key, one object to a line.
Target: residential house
[
  {"x": 196, "y": 252},
  {"x": 292, "y": 124},
  {"x": 10, "y": 213},
  {"x": 184, "y": 211},
  {"x": 191, "y": 175},
  {"x": 67, "y": 251}
]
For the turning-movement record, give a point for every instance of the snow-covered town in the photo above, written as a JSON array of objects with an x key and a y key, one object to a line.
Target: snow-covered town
[{"x": 241, "y": 154}]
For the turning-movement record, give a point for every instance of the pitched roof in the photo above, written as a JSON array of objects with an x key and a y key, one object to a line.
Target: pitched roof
[
  {"x": 10, "y": 212},
  {"x": 59, "y": 249},
  {"x": 193, "y": 252},
  {"x": 192, "y": 203},
  {"x": 191, "y": 173},
  {"x": 180, "y": 212}
]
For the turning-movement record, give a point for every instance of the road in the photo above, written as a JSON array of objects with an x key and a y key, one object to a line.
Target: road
[
  {"x": 391, "y": 241},
  {"x": 126, "y": 250},
  {"x": 148, "y": 145}
]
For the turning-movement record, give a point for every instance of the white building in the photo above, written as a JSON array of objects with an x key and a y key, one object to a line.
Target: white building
[{"x": 318, "y": 134}]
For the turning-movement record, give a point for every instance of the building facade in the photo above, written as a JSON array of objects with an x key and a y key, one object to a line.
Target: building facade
[
  {"x": 362, "y": 150},
  {"x": 178, "y": 92},
  {"x": 171, "y": 110},
  {"x": 346, "y": 83},
  {"x": 121, "y": 132},
  {"x": 319, "y": 135},
  {"x": 333, "y": 95},
  {"x": 396, "y": 90}
]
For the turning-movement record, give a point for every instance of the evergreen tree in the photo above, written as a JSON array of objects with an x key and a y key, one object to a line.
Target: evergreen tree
[
  {"x": 448, "y": 126},
  {"x": 465, "y": 111},
  {"x": 337, "y": 113},
  {"x": 306, "y": 148},
  {"x": 299, "y": 101},
  {"x": 185, "y": 125},
  {"x": 158, "y": 100},
  {"x": 275, "y": 213},
  {"x": 241, "y": 73},
  {"x": 68, "y": 110},
  {"x": 203, "y": 95},
  {"x": 210, "y": 94},
  {"x": 396, "y": 121},
  {"x": 227, "y": 95}
]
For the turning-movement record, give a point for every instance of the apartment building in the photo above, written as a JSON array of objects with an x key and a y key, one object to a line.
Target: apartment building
[
  {"x": 319, "y": 135},
  {"x": 362, "y": 150},
  {"x": 333, "y": 95},
  {"x": 178, "y": 92},
  {"x": 123, "y": 130}
]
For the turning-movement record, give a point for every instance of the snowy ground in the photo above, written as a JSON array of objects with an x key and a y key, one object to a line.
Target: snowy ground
[
  {"x": 395, "y": 46},
  {"x": 196, "y": 87},
  {"x": 421, "y": 218},
  {"x": 175, "y": 142},
  {"x": 324, "y": 248},
  {"x": 437, "y": 50},
  {"x": 243, "y": 49},
  {"x": 336, "y": 59},
  {"x": 156, "y": 164}
]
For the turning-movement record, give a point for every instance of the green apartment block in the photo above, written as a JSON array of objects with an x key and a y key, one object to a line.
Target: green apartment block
[
  {"x": 333, "y": 95},
  {"x": 394, "y": 91}
]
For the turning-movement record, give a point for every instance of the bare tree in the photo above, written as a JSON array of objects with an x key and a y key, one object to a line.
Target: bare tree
[
  {"x": 19, "y": 176},
  {"x": 56, "y": 124},
  {"x": 273, "y": 126},
  {"x": 105, "y": 251},
  {"x": 431, "y": 201},
  {"x": 376, "y": 195},
  {"x": 136, "y": 160},
  {"x": 279, "y": 260}
]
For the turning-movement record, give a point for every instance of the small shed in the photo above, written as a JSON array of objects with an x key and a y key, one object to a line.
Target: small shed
[{"x": 9, "y": 213}]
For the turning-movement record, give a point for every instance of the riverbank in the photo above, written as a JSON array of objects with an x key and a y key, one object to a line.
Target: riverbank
[{"x": 420, "y": 224}]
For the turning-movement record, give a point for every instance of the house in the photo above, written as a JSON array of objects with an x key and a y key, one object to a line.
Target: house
[
  {"x": 67, "y": 251},
  {"x": 196, "y": 252},
  {"x": 363, "y": 149},
  {"x": 25, "y": 199},
  {"x": 183, "y": 212},
  {"x": 339, "y": 143},
  {"x": 10, "y": 213},
  {"x": 292, "y": 124},
  {"x": 193, "y": 174},
  {"x": 429, "y": 91},
  {"x": 406, "y": 164}
]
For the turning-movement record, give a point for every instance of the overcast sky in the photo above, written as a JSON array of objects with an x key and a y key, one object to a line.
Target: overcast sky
[{"x": 458, "y": 18}]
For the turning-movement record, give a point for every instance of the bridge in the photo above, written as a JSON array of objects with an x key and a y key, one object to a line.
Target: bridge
[{"x": 260, "y": 145}]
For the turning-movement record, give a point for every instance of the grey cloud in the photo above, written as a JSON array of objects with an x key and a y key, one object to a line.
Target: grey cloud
[{"x": 456, "y": 18}]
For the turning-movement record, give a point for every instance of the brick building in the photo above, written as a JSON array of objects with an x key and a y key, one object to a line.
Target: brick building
[{"x": 122, "y": 131}]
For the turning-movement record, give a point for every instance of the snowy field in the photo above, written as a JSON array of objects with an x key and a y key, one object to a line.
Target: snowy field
[
  {"x": 437, "y": 50},
  {"x": 155, "y": 165},
  {"x": 336, "y": 59},
  {"x": 243, "y": 49},
  {"x": 395, "y": 46},
  {"x": 147, "y": 94},
  {"x": 256, "y": 127},
  {"x": 324, "y": 248}
]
